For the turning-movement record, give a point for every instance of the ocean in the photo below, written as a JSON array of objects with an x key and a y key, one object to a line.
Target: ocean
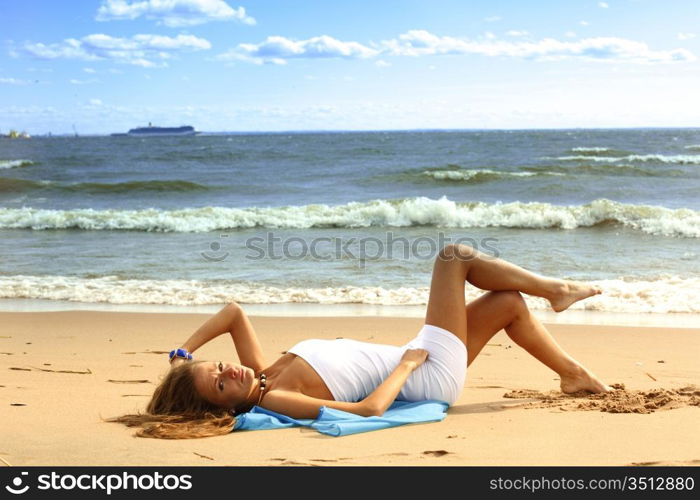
[{"x": 348, "y": 217}]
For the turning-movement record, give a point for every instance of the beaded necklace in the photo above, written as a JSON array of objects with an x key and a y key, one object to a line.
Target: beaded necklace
[{"x": 263, "y": 382}]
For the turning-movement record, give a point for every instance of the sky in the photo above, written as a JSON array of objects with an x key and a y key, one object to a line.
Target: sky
[{"x": 104, "y": 66}]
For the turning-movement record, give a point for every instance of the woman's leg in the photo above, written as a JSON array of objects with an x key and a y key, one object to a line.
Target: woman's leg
[
  {"x": 457, "y": 263},
  {"x": 495, "y": 311}
]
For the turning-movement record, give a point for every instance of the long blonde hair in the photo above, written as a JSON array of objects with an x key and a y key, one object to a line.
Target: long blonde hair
[{"x": 177, "y": 411}]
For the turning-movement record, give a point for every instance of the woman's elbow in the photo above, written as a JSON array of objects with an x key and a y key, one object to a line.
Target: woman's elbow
[{"x": 372, "y": 410}]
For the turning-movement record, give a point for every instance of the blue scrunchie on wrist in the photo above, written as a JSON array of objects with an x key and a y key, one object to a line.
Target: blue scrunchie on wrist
[{"x": 180, "y": 353}]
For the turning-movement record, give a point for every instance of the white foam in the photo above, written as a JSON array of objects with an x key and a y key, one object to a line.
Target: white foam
[
  {"x": 15, "y": 163},
  {"x": 475, "y": 174},
  {"x": 378, "y": 213},
  {"x": 467, "y": 175},
  {"x": 665, "y": 295},
  {"x": 676, "y": 159},
  {"x": 590, "y": 150}
]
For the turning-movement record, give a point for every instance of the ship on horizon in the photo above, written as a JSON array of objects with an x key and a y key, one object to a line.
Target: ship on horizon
[{"x": 151, "y": 131}]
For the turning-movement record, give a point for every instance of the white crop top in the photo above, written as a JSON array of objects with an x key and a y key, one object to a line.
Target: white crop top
[{"x": 351, "y": 369}]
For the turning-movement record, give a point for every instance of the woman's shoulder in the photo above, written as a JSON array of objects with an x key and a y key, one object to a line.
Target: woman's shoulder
[{"x": 279, "y": 364}]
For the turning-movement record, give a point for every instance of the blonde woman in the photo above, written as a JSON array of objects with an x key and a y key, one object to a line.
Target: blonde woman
[{"x": 202, "y": 398}]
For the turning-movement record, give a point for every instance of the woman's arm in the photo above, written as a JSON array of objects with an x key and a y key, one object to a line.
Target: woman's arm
[
  {"x": 381, "y": 398},
  {"x": 231, "y": 319},
  {"x": 297, "y": 405}
]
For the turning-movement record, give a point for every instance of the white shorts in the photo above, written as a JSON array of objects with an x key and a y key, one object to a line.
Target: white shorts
[{"x": 443, "y": 374}]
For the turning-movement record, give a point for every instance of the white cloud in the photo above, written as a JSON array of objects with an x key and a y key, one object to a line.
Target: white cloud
[
  {"x": 89, "y": 70},
  {"x": 277, "y": 49},
  {"x": 489, "y": 36},
  {"x": 14, "y": 81},
  {"x": 381, "y": 63},
  {"x": 517, "y": 33},
  {"x": 139, "y": 50},
  {"x": 570, "y": 34},
  {"x": 492, "y": 19},
  {"x": 583, "y": 23},
  {"x": 75, "y": 81},
  {"x": 686, "y": 36},
  {"x": 173, "y": 13},
  {"x": 422, "y": 43},
  {"x": 603, "y": 5},
  {"x": 95, "y": 102}
]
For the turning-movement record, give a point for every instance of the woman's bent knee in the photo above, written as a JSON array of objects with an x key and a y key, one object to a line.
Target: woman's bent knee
[
  {"x": 513, "y": 302},
  {"x": 233, "y": 308},
  {"x": 456, "y": 252}
]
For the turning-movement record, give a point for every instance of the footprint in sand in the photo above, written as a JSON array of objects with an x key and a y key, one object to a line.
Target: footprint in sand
[
  {"x": 293, "y": 462},
  {"x": 436, "y": 453},
  {"x": 620, "y": 400},
  {"x": 666, "y": 463},
  {"x": 78, "y": 372}
]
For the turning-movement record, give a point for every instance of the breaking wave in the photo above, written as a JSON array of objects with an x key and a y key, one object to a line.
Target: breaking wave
[
  {"x": 15, "y": 163},
  {"x": 664, "y": 295},
  {"x": 406, "y": 212}
]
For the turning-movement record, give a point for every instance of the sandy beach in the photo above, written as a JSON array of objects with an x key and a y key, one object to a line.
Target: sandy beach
[{"x": 63, "y": 371}]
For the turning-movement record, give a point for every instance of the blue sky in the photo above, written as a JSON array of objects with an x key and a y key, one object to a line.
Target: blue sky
[{"x": 106, "y": 66}]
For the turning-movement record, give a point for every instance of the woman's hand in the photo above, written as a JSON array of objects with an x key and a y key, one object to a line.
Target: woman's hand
[
  {"x": 177, "y": 362},
  {"x": 381, "y": 398},
  {"x": 414, "y": 357}
]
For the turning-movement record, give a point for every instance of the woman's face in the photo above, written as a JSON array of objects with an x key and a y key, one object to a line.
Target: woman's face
[{"x": 224, "y": 384}]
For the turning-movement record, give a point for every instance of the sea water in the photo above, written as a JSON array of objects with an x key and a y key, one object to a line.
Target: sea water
[{"x": 348, "y": 217}]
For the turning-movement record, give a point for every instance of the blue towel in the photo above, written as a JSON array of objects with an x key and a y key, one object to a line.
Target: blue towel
[{"x": 340, "y": 423}]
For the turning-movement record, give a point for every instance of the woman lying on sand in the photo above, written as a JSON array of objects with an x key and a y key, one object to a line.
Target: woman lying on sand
[{"x": 201, "y": 398}]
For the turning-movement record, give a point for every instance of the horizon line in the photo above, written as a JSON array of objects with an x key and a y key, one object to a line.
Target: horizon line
[{"x": 337, "y": 131}]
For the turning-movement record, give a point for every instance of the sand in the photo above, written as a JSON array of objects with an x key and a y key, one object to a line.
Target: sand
[{"x": 62, "y": 371}]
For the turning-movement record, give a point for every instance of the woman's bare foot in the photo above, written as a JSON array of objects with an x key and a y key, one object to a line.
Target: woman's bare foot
[
  {"x": 570, "y": 292},
  {"x": 582, "y": 380}
]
